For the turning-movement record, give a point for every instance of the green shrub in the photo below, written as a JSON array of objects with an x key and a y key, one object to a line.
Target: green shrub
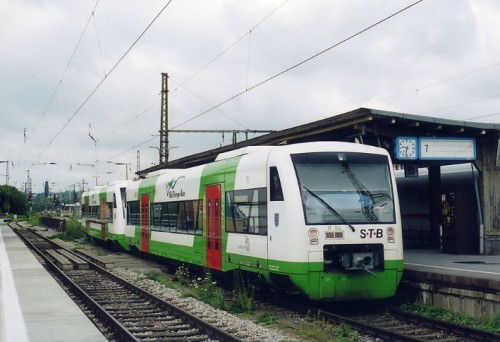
[
  {"x": 33, "y": 219},
  {"x": 207, "y": 291},
  {"x": 73, "y": 229},
  {"x": 243, "y": 295}
]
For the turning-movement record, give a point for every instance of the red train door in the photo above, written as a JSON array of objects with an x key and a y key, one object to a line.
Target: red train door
[
  {"x": 145, "y": 223},
  {"x": 214, "y": 251},
  {"x": 103, "y": 219},
  {"x": 87, "y": 218}
]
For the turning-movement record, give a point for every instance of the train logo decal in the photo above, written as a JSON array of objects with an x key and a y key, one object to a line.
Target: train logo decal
[
  {"x": 171, "y": 191},
  {"x": 276, "y": 219},
  {"x": 371, "y": 233}
]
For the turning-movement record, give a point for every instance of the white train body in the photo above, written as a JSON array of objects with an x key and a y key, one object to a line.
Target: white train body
[{"x": 322, "y": 218}]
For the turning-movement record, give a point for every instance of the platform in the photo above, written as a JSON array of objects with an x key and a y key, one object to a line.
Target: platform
[
  {"x": 467, "y": 271},
  {"x": 33, "y": 307}
]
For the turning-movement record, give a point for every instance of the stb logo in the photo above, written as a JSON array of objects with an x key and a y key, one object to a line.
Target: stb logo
[
  {"x": 171, "y": 184},
  {"x": 276, "y": 220}
]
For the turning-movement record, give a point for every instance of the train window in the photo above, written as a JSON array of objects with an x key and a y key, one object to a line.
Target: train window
[
  {"x": 341, "y": 188},
  {"x": 94, "y": 212},
  {"x": 246, "y": 211},
  {"x": 275, "y": 190},
  {"x": 177, "y": 217},
  {"x": 134, "y": 213},
  {"x": 109, "y": 212},
  {"x": 123, "y": 195}
]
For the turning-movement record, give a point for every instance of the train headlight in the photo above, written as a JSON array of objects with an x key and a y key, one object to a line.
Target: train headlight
[
  {"x": 390, "y": 234},
  {"x": 313, "y": 233}
]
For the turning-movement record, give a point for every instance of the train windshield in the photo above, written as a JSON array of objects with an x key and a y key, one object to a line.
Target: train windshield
[{"x": 345, "y": 188}]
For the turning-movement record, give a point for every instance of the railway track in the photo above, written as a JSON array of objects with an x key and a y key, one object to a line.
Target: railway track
[
  {"x": 121, "y": 310},
  {"x": 387, "y": 323},
  {"x": 130, "y": 309},
  {"x": 395, "y": 325}
]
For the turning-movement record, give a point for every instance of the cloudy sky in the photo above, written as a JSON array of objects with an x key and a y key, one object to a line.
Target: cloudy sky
[{"x": 80, "y": 80}]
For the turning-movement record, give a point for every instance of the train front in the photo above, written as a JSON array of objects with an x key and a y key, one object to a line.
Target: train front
[{"x": 340, "y": 222}]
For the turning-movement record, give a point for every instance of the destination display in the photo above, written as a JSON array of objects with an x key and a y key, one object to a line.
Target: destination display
[{"x": 447, "y": 148}]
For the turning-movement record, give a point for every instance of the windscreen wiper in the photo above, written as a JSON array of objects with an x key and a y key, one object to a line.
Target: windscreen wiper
[
  {"x": 363, "y": 192},
  {"x": 327, "y": 206}
]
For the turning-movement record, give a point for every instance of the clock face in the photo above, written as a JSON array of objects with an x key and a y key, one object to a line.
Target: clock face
[{"x": 407, "y": 148}]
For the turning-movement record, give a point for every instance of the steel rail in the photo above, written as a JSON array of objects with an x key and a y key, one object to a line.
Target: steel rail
[
  {"x": 122, "y": 331},
  {"x": 119, "y": 329},
  {"x": 454, "y": 328}
]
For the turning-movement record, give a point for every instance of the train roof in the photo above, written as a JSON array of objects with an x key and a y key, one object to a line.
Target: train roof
[{"x": 303, "y": 147}]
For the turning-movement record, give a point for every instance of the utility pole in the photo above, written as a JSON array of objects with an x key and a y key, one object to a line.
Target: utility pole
[
  {"x": 164, "y": 120},
  {"x": 164, "y": 131},
  {"x": 138, "y": 160},
  {"x": 6, "y": 171},
  {"x": 83, "y": 184}
]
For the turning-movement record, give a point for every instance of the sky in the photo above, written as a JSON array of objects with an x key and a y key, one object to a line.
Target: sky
[{"x": 80, "y": 81}]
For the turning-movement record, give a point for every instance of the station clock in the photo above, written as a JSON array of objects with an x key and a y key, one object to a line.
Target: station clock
[{"x": 406, "y": 148}]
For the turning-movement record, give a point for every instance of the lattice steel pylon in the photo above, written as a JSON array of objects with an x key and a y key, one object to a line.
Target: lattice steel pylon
[{"x": 164, "y": 120}]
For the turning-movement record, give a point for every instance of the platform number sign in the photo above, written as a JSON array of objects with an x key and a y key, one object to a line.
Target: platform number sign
[{"x": 411, "y": 171}]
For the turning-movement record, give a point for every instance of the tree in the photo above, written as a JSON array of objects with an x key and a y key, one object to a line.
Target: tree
[{"x": 12, "y": 201}]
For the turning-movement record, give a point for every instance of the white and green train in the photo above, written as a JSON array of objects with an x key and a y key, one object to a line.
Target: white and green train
[{"x": 321, "y": 218}]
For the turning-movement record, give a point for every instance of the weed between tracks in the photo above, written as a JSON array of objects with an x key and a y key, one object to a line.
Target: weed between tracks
[
  {"x": 72, "y": 232},
  {"x": 491, "y": 324},
  {"x": 205, "y": 289},
  {"x": 241, "y": 301}
]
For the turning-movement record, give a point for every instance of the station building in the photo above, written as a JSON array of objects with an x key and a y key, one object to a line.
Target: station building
[{"x": 448, "y": 178}]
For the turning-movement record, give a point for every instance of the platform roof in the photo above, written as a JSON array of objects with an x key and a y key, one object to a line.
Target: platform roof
[{"x": 364, "y": 125}]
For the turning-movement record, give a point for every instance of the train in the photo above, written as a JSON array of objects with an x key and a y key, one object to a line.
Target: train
[{"x": 318, "y": 218}]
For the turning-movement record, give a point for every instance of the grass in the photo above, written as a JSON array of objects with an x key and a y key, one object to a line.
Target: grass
[
  {"x": 72, "y": 232},
  {"x": 491, "y": 324}
]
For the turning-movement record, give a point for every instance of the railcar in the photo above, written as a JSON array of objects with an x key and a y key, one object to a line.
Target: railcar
[
  {"x": 321, "y": 218},
  {"x": 104, "y": 212}
]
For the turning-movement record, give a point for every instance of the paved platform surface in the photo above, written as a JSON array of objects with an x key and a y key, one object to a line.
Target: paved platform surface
[
  {"x": 33, "y": 307},
  {"x": 478, "y": 271}
]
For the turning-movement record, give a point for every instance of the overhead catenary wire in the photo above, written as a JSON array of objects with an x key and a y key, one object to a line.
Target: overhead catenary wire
[
  {"x": 200, "y": 70},
  {"x": 233, "y": 44},
  {"x": 219, "y": 55},
  {"x": 59, "y": 83},
  {"x": 99, "y": 44},
  {"x": 300, "y": 63},
  {"x": 452, "y": 78},
  {"x": 272, "y": 77},
  {"x": 105, "y": 77}
]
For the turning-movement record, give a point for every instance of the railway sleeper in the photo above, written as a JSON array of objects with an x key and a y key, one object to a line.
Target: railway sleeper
[
  {"x": 168, "y": 328},
  {"x": 174, "y": 335},
  {"x": 107, "y": 264},
  {"x": 124, "y": 312},
  {"x": 61, "y": 261},
  {"x": 79, "y": 262},
  {"x": 153, "y": 315},
  {"x": 170, "y": 323}
]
